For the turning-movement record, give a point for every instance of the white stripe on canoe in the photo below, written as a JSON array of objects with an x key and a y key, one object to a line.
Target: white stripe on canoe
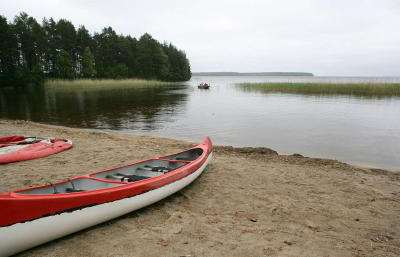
[
  {"x": 14, "y": 148},
  {"x": 11, "y": 148},
  {"x": 22, "y": 236}
]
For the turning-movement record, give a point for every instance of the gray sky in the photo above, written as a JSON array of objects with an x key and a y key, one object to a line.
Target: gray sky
[{"x": 347, "y": 38}]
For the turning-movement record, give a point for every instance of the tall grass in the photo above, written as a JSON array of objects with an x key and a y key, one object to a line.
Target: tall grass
[
  {"x": 364, "y": 89},
  {"x": 103, "y": 83}
]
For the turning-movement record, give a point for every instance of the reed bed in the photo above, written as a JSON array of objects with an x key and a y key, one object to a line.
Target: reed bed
[
  {"x": 104, "y": 83},
  {"x": 365, "y": 89}
]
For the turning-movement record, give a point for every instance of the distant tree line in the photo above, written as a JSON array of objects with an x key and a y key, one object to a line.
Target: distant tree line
[{"x": 31, "y": 52}]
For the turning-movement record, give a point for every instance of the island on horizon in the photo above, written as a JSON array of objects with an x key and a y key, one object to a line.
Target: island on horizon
[{"x": 308, "y": 74}]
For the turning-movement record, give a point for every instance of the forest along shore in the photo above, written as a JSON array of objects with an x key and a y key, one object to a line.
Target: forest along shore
[
  {"x": 33, "y": 52},
  {"x": 248, "y": 202}
]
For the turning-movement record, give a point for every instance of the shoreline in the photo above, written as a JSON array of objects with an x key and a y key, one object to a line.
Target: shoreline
[
  {"x": 248, "y": 202},
  {"x": 103, "y": 83},
  {"x": 232, "y": 148}
]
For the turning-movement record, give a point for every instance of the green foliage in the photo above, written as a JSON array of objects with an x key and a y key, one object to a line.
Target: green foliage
[
  {"x": 63, "y": 66},
  {"x": 88, "y": 68},
  {"x": 152, "y": 59},
  {"x": 179, "y": 67},
  {"x": 30, "y": 52},
  {"x": 50, "y": 55},
  {"x": 8, "y": 54},
  {"x": 361, "y": 89},
  {"x": 121, "y": 71}
]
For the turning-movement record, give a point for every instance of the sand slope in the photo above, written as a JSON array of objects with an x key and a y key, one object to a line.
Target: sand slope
[{"x": 248, "y": 202}]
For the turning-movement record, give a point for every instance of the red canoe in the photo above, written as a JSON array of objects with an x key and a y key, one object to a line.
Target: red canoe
[
  {"x": 36, "y": 215},
  {"x": 20, "y": 148}
]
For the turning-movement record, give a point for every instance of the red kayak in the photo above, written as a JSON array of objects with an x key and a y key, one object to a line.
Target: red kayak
[
  {"x": 21, "y": 148},
  {"x": 36, "y": 215}
]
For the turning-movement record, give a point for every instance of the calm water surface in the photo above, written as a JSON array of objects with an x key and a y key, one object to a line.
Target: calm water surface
[{"x": 353, "y": 129}]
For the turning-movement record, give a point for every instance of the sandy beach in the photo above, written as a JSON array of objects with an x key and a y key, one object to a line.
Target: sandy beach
[{"x": 248, "y": 202}]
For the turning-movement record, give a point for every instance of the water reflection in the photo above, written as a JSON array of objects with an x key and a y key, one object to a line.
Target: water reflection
[
  {"x": 130, "y": 108},
  {"x": 362, "y": 130}
]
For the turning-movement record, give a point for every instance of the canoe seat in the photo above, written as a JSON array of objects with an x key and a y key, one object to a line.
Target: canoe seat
[
  {"x": 72, "y": 190},
  {"x": 155, "y": 168},
  {"x": 129, "y": 178}
]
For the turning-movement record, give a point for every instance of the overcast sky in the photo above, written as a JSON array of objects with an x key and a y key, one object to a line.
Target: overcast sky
[{"x": 338, "y": 37}]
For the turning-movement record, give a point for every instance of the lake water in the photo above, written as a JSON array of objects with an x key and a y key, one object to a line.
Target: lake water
[{"x": 354, "y": 129}]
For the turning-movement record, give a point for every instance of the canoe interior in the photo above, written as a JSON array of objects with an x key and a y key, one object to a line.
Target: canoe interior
[
  {"x": 10, "y": 149},
  {"x": 71, "y": 186},
  {"x": 143, "y": 170},
  {"x": 119, "y": 176},
  {"x": 190, "y": 155},
  {"x": 18, "y": 142}
]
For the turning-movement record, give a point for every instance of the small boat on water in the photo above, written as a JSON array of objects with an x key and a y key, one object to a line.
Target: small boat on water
[
  {"x": 21, "y": 148},
  {"x": 203, "y": 86},
  {"x": 36, "y": 215}
]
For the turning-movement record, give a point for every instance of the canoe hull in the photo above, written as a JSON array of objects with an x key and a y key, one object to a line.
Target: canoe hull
[{"x": 22, "y": 236}]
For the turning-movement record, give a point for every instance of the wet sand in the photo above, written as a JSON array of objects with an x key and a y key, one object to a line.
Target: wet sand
[{"x": 248, "y": 202}]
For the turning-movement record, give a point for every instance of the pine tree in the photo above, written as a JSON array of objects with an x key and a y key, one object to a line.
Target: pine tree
[
  {"x": 29, "y": 52},
  {"x": 49, "y": 27},
  {"x": 66, "y": 42},
  {"x": 64, "y": 66},
  {"x": 83, "y": 40},
  {"x": 8, "y": 54},
  {"x": 88, "y": 64}
]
